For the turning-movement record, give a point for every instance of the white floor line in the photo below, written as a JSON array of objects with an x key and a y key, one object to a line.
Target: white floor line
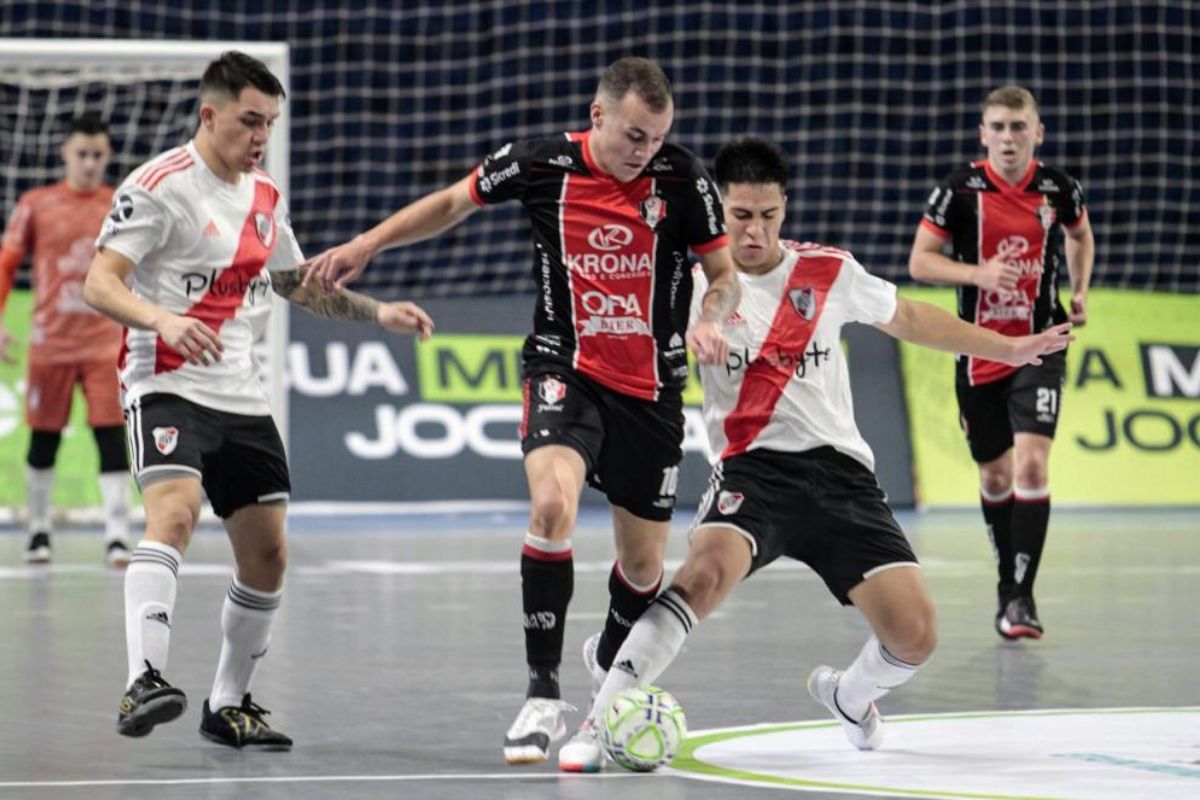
[{"x": 495, "y": 776}]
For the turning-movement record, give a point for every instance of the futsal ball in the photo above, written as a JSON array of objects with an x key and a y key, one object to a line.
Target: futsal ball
[{"x": 643, "y": 728}]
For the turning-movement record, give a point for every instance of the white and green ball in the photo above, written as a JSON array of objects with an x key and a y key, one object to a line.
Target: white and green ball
[{"x": 642, "y": 728}]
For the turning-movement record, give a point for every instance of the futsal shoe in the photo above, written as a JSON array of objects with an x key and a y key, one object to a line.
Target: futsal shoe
[
  {"x": 242, "y": 727},
  {"x": 150, "y": 701},
  {"x": 597, "y": 673},
  {"x": 38, "y": 549},
  {"x": 116, "y": 553},
  {"x": 865, "y": 733},
  {"x": 582, "y": 752},
  {"x": 539, "y": 723},
  {"x": 1019, "y": 620}
]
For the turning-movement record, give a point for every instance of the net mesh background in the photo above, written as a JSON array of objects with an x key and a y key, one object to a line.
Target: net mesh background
[{"x": 874, "y": 102}]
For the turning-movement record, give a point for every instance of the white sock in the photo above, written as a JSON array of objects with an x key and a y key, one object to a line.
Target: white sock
[
  {"x": 651, "y": 646},
  {"x": 114, "y": 489},
  {"x": 40, "y": 483},
  {"x": 150, "y": 584},
  {"x": 872, "y": 675},
  {"x": 246, "y": 624}
]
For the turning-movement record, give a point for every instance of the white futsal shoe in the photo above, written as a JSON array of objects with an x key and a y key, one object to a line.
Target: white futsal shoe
[
  {"x": 583, "y": 751},
  {"x": 539, "y": 723},
  {"x": 865, "y": 733},
  {"x": 589, "y": 660}
]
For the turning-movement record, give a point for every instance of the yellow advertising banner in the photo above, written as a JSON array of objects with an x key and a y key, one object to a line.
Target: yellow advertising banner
[{"x": 1129, "y": 431}]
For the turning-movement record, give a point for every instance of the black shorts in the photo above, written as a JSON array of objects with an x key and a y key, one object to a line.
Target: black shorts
[
  {"x": 632, "y": 448},
  {"x": 1027, "y": 401},
  {"x": 239, "y": 458},
  {"x": 821, "y": 507}
]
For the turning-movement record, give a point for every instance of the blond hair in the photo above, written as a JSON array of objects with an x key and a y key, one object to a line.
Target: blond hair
[{"x": 1011, "y": 96}]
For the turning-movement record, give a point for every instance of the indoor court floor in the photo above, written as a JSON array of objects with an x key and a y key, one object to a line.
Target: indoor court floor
[{"x": 397, "y": 665}]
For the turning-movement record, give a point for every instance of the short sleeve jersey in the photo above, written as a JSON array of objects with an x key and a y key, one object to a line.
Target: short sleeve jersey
[
  {"x": 203, "y": 248},
  {"x": 609, "y": 257},
  {"x": 785, "y": 385},
  {"x": 58, "y": 225},
  {"x": 984, "y": 215}
]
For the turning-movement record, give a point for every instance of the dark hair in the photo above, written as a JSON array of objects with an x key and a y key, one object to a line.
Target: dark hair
[
  {"x": 750, "y": 160},
  {"x": 88, "y": 124},
  {"x": 234, "y": 71},
  {"x": 640, "y": 76}
]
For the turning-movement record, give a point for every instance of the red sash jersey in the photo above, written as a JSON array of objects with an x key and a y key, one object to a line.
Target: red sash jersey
[
  {"x": 609, "y": 258},
  {"x": 984, "y": 215}
]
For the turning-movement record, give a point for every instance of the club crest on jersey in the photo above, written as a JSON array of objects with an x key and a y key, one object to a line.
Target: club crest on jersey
[
  {"x": 265, "y": 227},
  {"x": 729, "y": 502},
  {"x": 654, "y": 210},
  {"x": 1046, "y": 215},
  {"x": 804, "y": 302},
  {"x": 552, "y": 391},
  {"x": 165, "y": 440}
]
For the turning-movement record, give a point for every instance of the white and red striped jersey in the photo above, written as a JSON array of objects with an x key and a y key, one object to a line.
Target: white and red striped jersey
[
  {"x": 202, "y": 248},
  {"x": 785, "y": 385}
]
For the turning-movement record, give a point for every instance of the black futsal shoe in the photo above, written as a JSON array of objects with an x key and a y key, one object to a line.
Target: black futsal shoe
[
  {"x": 242, "y": 727},
  {"x": 1019, "y": 620},
  {"x": 150, "y": 701}
]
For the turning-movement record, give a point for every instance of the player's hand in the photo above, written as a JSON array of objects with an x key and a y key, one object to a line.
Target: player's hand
[
  {"x": 405, "y": 318},
  {"x": 192, "y": 339},
  {"x": 996, "y": 273},
  {"x": 1030, "y": 349},
  {"x": 337, "y": 266},
  {"x": 7, "y": 342},
  {"x": 708, "y": 342},
  {"x": 1078, "y": 313}
]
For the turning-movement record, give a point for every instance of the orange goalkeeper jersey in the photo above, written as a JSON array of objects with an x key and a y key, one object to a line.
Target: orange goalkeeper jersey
[{"x": 59, "y": 225}]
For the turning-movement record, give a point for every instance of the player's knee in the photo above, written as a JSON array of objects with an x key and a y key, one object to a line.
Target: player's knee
[
  {"x": 110, "y": 442},
  {"x": 995, "y": 481},
  {"x": 700, "y": 586},
  {"x": 642, "y": 568},
  {"x": 550, "y": 512},
  {"x": 171, "y": 524},
  {"x": 43, "y": 449},
  {"x": 1032, "y": 473},
  {"x": 916, "y": 639},
  {"x": 270, "y": 561}
]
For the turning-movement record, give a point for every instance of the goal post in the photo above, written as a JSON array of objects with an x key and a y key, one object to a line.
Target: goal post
[{"x": 49, "y": 78}]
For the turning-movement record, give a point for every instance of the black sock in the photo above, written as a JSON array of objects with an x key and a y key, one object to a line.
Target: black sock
[
  {"x": 997, "y": 514},
  {"x": 626, "y": 605},
  {"x": 547, "y": 582},
  {"x": 1030, "y": 518}
]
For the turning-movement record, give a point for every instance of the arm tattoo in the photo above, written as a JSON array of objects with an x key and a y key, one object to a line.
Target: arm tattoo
[
  {"x": 724, "y": 300},
  {"x": 342, "y": 305}
]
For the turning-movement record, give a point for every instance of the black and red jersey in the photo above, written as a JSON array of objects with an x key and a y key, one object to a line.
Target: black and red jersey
[
  {"x": 984, "y": 215},
  {"x": 609, "y": 257}
]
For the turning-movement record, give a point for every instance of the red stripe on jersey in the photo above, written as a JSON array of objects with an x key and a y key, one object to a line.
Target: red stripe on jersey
[
  {"x": 1013, "y": 225},
  {"x": 608, "y": 249},
  {"x": 934, "y": 229},
  {"x": 523, "y": 428},
  {"x": 473, "y": 188},
  {"x": 790, "y": 333},
  {"x": 154, "y": 175},
  {"x": 228, "y": 290},
  {"x": 708, "y": 247}
]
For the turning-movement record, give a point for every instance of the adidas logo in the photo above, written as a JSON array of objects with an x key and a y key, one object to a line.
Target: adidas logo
[
  {"x": 626, "y": 666},
  {"x": 160, "y": 616},
  {"x": 211, "y": 231}
]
